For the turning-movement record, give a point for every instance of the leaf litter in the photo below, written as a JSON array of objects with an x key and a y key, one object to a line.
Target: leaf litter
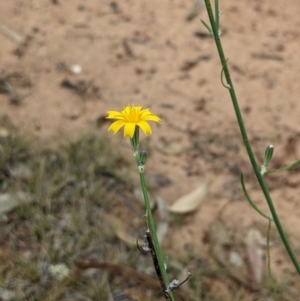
[{"x": 189, "y": 202}]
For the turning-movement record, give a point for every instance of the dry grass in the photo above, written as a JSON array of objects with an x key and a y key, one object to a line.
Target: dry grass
[{"x": 74, "y": 192}]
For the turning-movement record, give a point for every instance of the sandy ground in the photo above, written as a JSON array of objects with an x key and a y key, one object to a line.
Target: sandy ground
[{"x": 146, "y": 52}]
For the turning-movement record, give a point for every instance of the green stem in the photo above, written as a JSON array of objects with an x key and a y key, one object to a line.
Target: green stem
[
  {"x": 153, "y": 233},
  {"x": 259, "y": 177},
  {"x": 271, "y": 279},
  {"x": 150, "y": 220}
]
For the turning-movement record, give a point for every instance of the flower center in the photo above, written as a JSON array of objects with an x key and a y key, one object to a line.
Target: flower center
[{"x": 132, "y": 115}]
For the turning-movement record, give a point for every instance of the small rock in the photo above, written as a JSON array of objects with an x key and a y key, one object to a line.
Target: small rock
[
  {"x": 7, "y": 295},
  {"x": 4, "y": 133},
  {"x": 20, "y": 171},
  {"x": 76, "y": 69},
  {"x": 9, "y": 201}
]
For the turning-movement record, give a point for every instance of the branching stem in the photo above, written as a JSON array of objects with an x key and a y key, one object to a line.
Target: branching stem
[{"x": 215, "y": 29}]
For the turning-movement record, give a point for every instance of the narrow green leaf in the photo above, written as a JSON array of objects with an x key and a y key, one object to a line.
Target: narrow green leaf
[
  {"x": 207, "y": 27},
  {"x": 251, "y": 202},
  {"x": 293, "y": 165},
  {"x": 225, "y": 85}
]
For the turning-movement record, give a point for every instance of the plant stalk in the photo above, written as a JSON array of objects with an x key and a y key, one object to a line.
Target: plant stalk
[
  {"x": 150, "y": 220},
  {"x": 251, "y": 156}
]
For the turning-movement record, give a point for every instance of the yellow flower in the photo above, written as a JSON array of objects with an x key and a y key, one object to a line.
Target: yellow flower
[{"x": 130, "y": 117}]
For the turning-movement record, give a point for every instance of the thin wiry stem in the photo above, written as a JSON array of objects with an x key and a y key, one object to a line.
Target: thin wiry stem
[
  {"x": 215, "y": 30},
  {"x": 156, "y": 245},
  {"x": 159, "y": 263}
]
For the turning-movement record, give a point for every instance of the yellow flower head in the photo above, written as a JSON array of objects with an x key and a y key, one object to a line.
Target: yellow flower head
[{"x": 130, "y": 117}]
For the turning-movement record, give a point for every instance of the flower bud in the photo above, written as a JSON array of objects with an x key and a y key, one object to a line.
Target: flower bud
[
  {"x": 143, "y": 157},
  {"x": 268, "y": 155}
]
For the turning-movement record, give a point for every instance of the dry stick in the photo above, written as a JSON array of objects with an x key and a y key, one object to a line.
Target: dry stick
[
  {"x": 156, "y": 265},
  {"x": 125, "y": 271}
]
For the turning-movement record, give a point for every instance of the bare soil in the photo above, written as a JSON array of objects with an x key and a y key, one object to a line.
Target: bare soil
[{"x": 146, "y": 52}]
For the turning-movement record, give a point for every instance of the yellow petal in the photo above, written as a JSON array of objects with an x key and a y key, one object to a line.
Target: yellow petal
[
  {"x": 126, "y": 111},
  {"x": 115, "y": 126},
  {"x": 129, "y": 130},
  {"x": 152, "y": 117},
  {"x": 145, "y": 127},
  {"x": 145, "y": 113},
  {"x": 130, "y": 117},
  {"x": 114, "y": 115}
]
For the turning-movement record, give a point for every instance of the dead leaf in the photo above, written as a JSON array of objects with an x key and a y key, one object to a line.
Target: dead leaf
[
  {"x": 254, "y": 253},
  {"x": 120, "y": 231},
  {"x": 126, "y": 238},
  {"x": 190, "y": 201}
]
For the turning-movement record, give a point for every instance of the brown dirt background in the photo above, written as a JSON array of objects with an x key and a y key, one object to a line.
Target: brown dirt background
[{"x": 145, "y": 52}]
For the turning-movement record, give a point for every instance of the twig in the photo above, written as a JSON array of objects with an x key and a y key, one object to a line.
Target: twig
[{"x": 156, "y": 265}]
